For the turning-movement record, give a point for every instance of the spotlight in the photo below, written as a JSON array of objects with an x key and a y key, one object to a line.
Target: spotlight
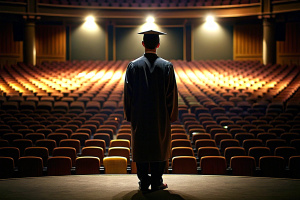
[
  {"x": 210, "y": 19},
  {"x": 90, "y": 19},
  {"x": 150, "y": 19}
]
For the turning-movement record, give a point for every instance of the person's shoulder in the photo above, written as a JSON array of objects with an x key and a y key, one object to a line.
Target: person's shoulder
[
  {"x": 137, "y": 60},
  {"x": 164, "y": 61}
]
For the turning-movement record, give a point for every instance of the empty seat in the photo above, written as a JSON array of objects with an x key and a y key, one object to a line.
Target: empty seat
[
  {"x": 272, "y": 166},
  {"x": 82, "y": 137},
  {"x": 228, "y": 143},
  {"x": 115, "y": 165},
  {"x": 48, "y": 143},
  {"x": 30, "y": 166},
  {"x": 87, "y": 165},
  {"x": 205, "y": 143},
  {"x": 59, "y": 165},
  {"x": 198, "y": 136},
  {"x": 119, "y": 143},
  {"x": 221, "y": 136},
  {"x": 233, "y": 151},
  {"x": 286, "y": 153},
  {"x": 182, "y": 151},
  {"x": 22, "y": 144},
  {"x": 258, "y": 152},
  {"x": 242, "y": 165},
  {"x": 184, "y": 165},
  {"x": 294, "y": 166},
  {"x": 34, "y": 137},
  {"x": 65, "y": 151},
  {"x": 103, "y": 136},
  {"x": 41, "y": 152},
  {"x": 70, "y": 143},
  {"x": 4, "y": 143},
  {"x": 243, "y": 136},
  {"x": 6, "y": 167},
  {"x": 126, "y": 136},
  {"x": 57, "y": 137},
  {"x": 96, "y": 142},
  {"x": 247, "y": 144},
  {"x": 10, "y": 137},
  {"x": 208, "y": 151},
  {"x": 93, "y": 151},
  {"x": 181, "y": 143},
  {"x": 274, "y": 143},
  {"x": 120, "y": 151},
  {"x": 213, "y": 165}
]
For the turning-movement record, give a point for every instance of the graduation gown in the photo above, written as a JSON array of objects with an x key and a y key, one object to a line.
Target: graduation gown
[{"x": 150, "y": 104}]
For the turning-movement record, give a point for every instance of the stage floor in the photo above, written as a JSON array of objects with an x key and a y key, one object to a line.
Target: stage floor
[{"x": 89, "y": 187}]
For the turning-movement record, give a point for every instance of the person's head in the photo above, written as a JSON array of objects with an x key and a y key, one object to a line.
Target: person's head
[{"x": 150, "y": 41}]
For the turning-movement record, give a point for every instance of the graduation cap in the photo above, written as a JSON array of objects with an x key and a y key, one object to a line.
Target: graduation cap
[
  {"x": 151, "y": 38},
  {"x": 152, "y": 32}
]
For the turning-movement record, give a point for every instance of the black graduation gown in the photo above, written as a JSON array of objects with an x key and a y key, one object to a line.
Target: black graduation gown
[{"x": 150, "y": 104}]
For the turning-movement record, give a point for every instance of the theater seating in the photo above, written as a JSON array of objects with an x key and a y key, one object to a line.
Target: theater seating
[{"x": 230, "y": 108}]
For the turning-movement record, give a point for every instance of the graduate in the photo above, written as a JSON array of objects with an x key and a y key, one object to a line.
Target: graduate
[{"x": 150, "y": 104}]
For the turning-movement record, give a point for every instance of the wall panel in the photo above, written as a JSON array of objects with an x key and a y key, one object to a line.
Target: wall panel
[
  {"x": 50, "y": 43},
  {"x": 247, "y": 42},
  {"x": 288, "y": 51},
  {"x": 11, "y": 51}
]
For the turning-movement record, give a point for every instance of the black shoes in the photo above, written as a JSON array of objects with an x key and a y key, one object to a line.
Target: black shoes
[
  {"x": 145, "y": 188},
  {"x": 160, "y": 187}
]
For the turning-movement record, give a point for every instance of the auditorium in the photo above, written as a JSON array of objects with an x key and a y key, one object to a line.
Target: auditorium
[{"x": 64, "y": 132}]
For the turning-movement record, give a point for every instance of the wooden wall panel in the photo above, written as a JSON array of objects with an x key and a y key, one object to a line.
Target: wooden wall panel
[
  {"x": 247, "y": 42},
  {"x": 11, "y": 51},
  {"x": 288, "y": 51},
  {"x": 50, "y": 43}
]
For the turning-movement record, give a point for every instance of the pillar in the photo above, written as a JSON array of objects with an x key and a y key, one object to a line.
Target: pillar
[
  {"x": 29, "y": 50},
  {"x": 269, "y": 41}
]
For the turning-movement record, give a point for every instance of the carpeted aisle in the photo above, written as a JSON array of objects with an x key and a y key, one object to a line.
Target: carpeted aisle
[{"x": 89, "y": 187}]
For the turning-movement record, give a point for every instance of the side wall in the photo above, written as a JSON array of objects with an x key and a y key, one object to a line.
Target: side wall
[
  {"x": 212, "y": 42},
  {"x": 87, "y": 44}
]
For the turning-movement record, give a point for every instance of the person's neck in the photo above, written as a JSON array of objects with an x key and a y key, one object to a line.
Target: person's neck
[{"x": 150, "y": 51}]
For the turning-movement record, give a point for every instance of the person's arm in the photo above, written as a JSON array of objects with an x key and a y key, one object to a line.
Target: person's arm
[
  {"x": 127, "y": 93},
  {"x": 172, "y": 95}
]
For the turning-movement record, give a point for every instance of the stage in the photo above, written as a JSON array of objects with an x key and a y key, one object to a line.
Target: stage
[{"x": 89, "y": 187}]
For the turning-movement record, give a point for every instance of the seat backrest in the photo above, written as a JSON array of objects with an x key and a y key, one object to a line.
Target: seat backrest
[
  {"x": 242, "y": 165},
  {"x": 119, "y": 143},
  {"x": 115, "y": 165},
  {"x": 6, "y": 167},
  {"x": 182, "y": 151},
  {"x": 30, "y": 166},
  {"x": 120, "y": 151},
  {"x": 93, "y": 151},
  {"x": 208, "y": 151},
  {"x": 59, "y": 165},
  {"x": 87, "y": 165},
  {"x": 38, "y": 152},
  {"x": 213, "y": 165},
  {"x": 48, "y": 143},
  {"x": 272, "y": 166},
  {"x": 184, "y": 165},
  {"x": 66, "y": 151}
]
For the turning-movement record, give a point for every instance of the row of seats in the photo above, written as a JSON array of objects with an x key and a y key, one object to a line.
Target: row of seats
[
  {"x": 148, "y": 3},
  {"x": 273, "y": 166},
  {"x": 228, "y": 102}
]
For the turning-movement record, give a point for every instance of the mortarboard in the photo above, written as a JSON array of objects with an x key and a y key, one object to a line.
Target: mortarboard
[{"x": 152, "y": 32}]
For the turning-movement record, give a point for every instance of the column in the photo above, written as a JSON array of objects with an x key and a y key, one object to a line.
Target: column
[
  {"x": 269, "y": 42},
  {"x": 188, "y": 42},
  {"x": 29, "y": 51}
]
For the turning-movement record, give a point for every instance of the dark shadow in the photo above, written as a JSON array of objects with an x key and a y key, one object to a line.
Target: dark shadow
[{"x": 155, "y": 195}]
